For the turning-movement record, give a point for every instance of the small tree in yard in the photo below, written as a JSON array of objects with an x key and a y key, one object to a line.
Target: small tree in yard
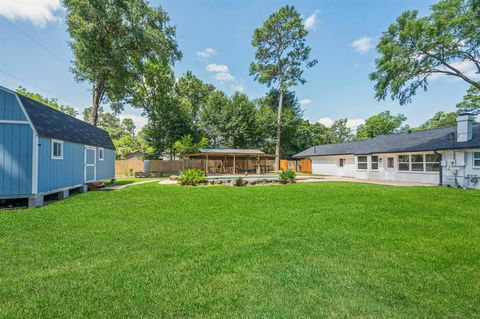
[
  {"x": 186, "y": 146},
  {"x": 280, "y": 54},
  {"x": 414, "y": 49}
]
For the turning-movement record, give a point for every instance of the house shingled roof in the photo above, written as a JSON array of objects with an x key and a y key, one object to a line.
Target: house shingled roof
[{"x": 417, "y": 141}]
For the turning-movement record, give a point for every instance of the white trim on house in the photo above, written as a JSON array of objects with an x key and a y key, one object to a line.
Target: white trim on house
[{"x": 53, "y": 156}]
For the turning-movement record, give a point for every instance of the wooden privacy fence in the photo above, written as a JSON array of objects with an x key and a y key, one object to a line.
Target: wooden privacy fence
[
  {"x": 302, "y": 166},
  {"x": 130, "y": 167}
]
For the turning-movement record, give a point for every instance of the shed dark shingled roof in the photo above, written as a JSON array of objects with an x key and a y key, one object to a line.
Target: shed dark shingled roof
[
  {"x": 429, "y": 140},
  {"x": 55, "y": 124}
]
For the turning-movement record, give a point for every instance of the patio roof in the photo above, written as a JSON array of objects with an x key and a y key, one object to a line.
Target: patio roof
[{"x": 238, "y": 152}]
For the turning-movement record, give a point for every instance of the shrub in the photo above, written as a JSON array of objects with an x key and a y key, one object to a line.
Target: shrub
[
  {"x": 239, "y": 182},
  {"x": 192, "y": 177},
  {"x": 287, "y": 176}
]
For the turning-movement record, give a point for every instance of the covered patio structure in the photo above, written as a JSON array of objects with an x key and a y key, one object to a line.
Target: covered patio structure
[{"x": 221, "y": 161}]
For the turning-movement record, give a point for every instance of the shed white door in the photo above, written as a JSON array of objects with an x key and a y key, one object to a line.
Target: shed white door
[{"x": 90, "y": 164}]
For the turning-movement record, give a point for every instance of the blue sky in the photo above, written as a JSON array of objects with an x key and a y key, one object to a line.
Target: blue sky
[{"x": 215, "y": 36}]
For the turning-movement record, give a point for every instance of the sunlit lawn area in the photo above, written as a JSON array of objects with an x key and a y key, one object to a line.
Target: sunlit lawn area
[{"x": 306, "y": 250}]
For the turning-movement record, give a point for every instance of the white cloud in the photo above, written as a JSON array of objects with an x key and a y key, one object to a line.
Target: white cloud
[
  {"x": 466, "y": 67},
  {"x": 224, "y": 77},
  {"x": 38, "y": 12},
  {"x": 311, "y": 22},
  {"x": 206, "y": 53},
  {"x": 217, "y": 68},
  {"x": 363, "y": 44},
  {"x": 305, "y": 102},
  {"x": 353, "y": 123}
]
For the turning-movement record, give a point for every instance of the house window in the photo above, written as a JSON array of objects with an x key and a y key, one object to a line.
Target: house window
[
  {"x": 417, "y": 162},
  {"x": 362, "y": 162},
  {"x": 341, "y": 162},
  {"x": 403, "y": 162},
  {"x": 390, "y": 162},
  {"x": 432, "y": 162},
  {"x": 374, "y": 163},
  {"x": 57, "y": 149},
  {"x": 101, "y": 154},
  {"x": 476, "y": 159}
]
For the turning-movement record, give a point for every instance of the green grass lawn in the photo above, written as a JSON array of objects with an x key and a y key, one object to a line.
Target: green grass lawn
[{"x": 307, "y": 250}]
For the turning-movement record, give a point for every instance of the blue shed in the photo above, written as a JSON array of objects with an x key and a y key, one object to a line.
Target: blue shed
[{"x": 45, "y": 151}]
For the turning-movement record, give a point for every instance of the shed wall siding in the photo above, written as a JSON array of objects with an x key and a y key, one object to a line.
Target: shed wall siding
[
  {"x": 54, "y": 174},
  {"x": 59, "y": 173},
  {"x": 10, "y": 110},
  {"x": 15, "y": 159},
  {"x": 106, "y": 168}
]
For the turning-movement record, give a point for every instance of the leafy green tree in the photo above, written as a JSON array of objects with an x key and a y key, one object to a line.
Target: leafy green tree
[
  {"x": 240, "y": 125},
  {"x": 280, "y": 54},
  {"x": 52, "y": 102},
  {"x": 339, "y": 132},
  {"x": 154, "y": 94},
  {"x": 290, "y": 122},
  {"x": 108, "y": 37},
  {"x": 213, "y": 118},
  {"x": 310, "y": 134},
  {"x": 125, "y": 145},
  {"x": 440, "y": 119},
  {"x": 186, "y": 146},
  {"x": 471, "y": 101},
  {"x": 380, "y": 124},
  {"x": 413, "y": 49},
  {"x": 129, "y": 126},
  {"x": 193, "y": 95}
]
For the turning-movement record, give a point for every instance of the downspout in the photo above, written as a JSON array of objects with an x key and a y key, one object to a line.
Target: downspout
[{"x": 441, "y": 168}]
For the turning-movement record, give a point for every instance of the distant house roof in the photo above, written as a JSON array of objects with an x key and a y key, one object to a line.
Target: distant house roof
[
  {"x": 429, "y": 140},
  {"x": 52, "y": 123},
  {"x": 231, "y": 152}
]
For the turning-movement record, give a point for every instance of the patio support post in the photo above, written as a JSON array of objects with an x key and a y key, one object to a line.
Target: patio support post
[
  {"x": 258, "y": 165},
  {"x": 206, "y": 165},
  {"x": 234, "y": 168}
]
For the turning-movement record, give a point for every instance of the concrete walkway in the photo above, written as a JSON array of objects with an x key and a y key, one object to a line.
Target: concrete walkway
[{"x": 117, "y": 187}]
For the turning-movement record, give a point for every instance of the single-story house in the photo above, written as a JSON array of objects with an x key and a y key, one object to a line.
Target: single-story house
[
  {"x": 45, "y": 151},
  {"x": 444, "y": 156}
]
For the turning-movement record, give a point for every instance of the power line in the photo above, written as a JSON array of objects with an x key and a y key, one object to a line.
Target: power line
[
  {"x": 38, "y": 43},
  {"x": 35, "y": 86}
]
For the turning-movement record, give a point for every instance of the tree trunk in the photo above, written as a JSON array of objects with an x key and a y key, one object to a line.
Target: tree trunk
[
  {"x": 279, "y": 131},
  {"x": 98, "y": 91}
]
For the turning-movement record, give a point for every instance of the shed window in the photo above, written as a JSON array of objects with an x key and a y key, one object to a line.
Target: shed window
[
  {"x": 341, "y": 162},
  {"x": 57, "y": 149},
  {"x": 374, "y": 163},
  {"x": 390, "y": 162},
  {"x": 362, "y": 162},
  {"x": 101, "y": 154},
  {"x": 476, "y": 159}
]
